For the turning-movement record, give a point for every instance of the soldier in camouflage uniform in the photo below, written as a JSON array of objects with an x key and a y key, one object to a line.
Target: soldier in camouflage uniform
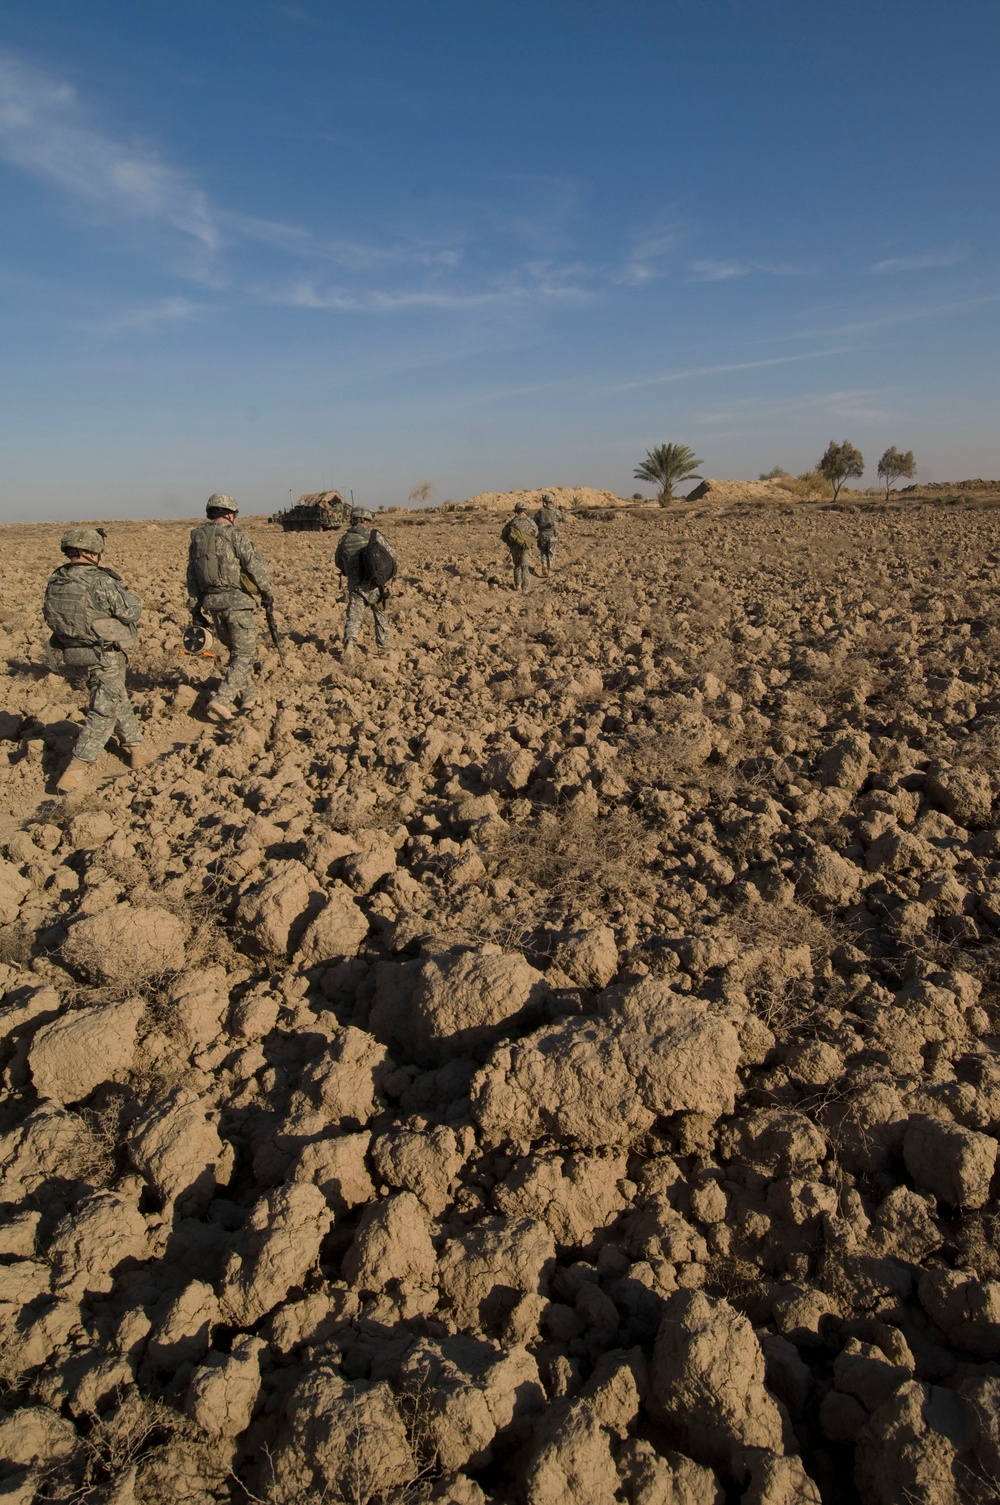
[
  {"x": 226, "y": 573},
  {"x": 93, "y": 618},
  {"x": 547, "y": 520},
  {"x": 361, "y": 596},
  {"x": 522, "y": 526}
]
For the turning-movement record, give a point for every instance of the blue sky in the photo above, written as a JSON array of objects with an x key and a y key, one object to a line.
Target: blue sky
[{"x": 258, "y": 246}]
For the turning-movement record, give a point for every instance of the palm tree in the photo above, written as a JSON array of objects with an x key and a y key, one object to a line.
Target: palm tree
[{"x": 666, "y": 463}]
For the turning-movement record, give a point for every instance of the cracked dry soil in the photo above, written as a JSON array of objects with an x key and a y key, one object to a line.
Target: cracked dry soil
[{"x": 557, "y": 1063}]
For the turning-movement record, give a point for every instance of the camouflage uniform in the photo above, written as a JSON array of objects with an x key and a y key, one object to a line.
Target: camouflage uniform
[
  {"x": 359, "y": 596},
  {"x": 547, "y": 520},
  {"x": 519, "y": 555},
  {"x": 93, "y": 619},
  {"x": 225, "y": 572}
]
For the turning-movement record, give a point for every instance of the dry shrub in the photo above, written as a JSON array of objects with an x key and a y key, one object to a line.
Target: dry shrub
[
  {"x": 153, "y": 1074},
  {"x": 660, "y": 756},
  {"x": 13, "y": 1366},
  {"x": 116, "y": 1442},
  {"x": 113, "y": 1448},
  {"x": 370, "y": 1459},
  {"x": 16, "y": 944},
  {"x": 207, "y": 942},
  {"x": 484, "y": 921},
  {"x": 787, "y": 1007},
  {"x": 576, "y": 858},
  {"x": 107, "y": 1126},
  {"x": 977, "y": 1243},
  {"x": 849, "y": 674},
  {"x": 96, "y": 1155},
  {"x": 120, "y": 979},
  {"x": 787, "y": 925},
  {"x": 739, "y": 1280},
  {"x": 125, "y": 869},
  {"x": 845, "y": 1121},
  {"x": 809, "y": 486}
]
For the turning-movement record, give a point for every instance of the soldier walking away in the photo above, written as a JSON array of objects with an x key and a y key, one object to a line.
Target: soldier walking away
[
  {"x": 93, "y": 619},
  {"x": 226, "y": 573},
  {"x": 367, "y": 560},
  {"x": 547, "y": 520},
  {"x": 520, "y": 535}
]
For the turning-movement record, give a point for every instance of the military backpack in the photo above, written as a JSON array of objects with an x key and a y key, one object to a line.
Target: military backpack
[
  {"x": 378, "y": 567},
  {"x": 214, "y": 559}
]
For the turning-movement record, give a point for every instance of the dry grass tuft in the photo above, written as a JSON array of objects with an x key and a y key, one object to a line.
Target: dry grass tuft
[
  {"x": 16, "y": 945},
  {"x": 116, "y": 1442},
  {"x": 577, "y": 859}
]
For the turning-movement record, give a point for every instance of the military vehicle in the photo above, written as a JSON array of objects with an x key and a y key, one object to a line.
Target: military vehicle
[{"x": 314, "y": 512}]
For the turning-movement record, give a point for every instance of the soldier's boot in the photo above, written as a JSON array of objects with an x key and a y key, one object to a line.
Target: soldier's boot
[
  {"x": 73, "y": 776},
  {"x": 139, "y": 754},
  {"x": 349, "y": 652},
  {"x": 220, "y": 710}
]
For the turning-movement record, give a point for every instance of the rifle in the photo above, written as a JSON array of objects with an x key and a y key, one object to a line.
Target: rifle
[{"x": 272, "y": 628}]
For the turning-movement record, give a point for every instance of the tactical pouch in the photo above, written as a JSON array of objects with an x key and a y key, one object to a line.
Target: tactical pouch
[
  {"x": 81, "y": 657},
  {"x": 112, "y": 633}
]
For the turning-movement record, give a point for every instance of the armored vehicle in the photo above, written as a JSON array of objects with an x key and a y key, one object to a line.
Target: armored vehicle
[{"x": 314, "y": 512}]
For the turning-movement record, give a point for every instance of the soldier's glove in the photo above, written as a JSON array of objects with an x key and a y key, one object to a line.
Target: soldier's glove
[{"x": 199, "y": 618}]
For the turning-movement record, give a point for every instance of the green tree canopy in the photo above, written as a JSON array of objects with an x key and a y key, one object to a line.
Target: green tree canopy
[
  {"x": 840, "y": 463},
  {"x": 894, "y": 465},
  {"x": 666, "y": 464}
]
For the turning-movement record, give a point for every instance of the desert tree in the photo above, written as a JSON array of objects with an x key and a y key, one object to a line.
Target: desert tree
[
  {"x": 893, "y": 466},
  {"x": 665, "y": 465},
  {"x": 840, "y": 463}
]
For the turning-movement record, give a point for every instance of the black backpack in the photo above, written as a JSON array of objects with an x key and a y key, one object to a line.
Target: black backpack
[{"x": 377, "y": 564}]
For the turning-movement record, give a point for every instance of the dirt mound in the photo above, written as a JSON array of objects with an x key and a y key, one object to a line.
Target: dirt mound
[
  {"x": 959, "y": 486},
  {"x": 740, "y": 491},
  {"x": 570, "y": 498},
  {"x": 557, "y": 1061}
]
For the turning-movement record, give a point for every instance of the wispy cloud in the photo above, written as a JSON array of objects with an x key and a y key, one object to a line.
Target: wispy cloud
[
  {"x": 924, "y": 261},
  {"x": 694, "y": 371},
  {"x": 352, "y": 254},
  {"x": 44, "y": 130},
  {"x": 746, "y": 415},
  {"x": 645, "y": 259},
  {"x": 885, "y": 320},
  {"x": 149, "y": 318},
  {"x": 312, "y": 294},
  {"x": 725, "y": 271}
]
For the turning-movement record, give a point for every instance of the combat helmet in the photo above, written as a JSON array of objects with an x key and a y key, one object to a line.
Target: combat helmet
[
  {"x": 362, "y": 515},
  {"x": 219, "y": 503},
  {"x": 546, "y": 499},
  {"x": 520, "y": 506},
  {"x": 82, "y": 541}
]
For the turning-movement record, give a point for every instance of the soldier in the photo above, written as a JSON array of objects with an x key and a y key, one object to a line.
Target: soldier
[
  {"x": 519, "y": 534},
  {"x": 93, "y": 619},
  {"x": 226, "y": 573},
  {"x": 547, "y": 520},
  {"x": 367, "y": 579}
]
